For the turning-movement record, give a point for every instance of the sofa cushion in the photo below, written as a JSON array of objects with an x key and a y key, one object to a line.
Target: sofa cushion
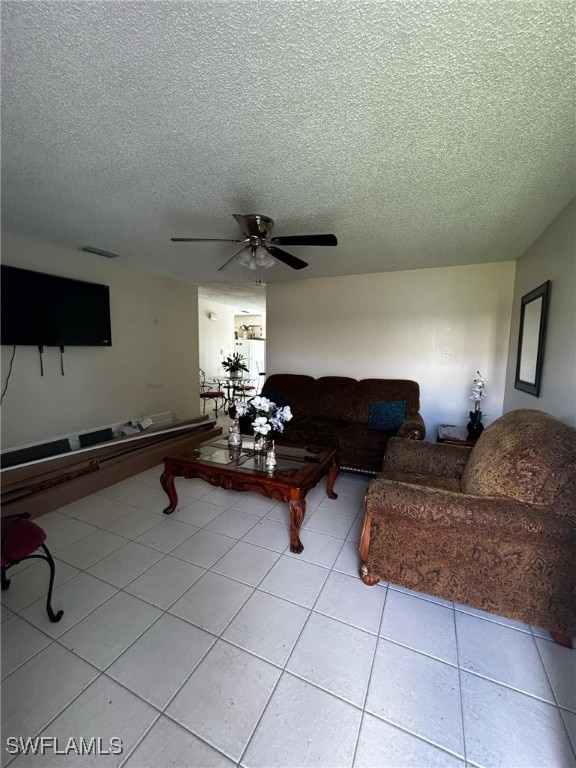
[
  {"x": 388, "y": 414},
  {"x": 314, "y": 431},
  {"x": 377, "y": 390},
  {"x": 362, "y": 447},
  {"x": 525, "y": 455},
  {"x": 279, "y": 398},
  {"x": 335, "y": 397},
  {"x": 298, "y": 390}
]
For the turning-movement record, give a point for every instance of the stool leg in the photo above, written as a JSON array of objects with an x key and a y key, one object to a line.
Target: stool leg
[
  {"x": 5, "y": 581},
  {"x": 54, "y": 617}
]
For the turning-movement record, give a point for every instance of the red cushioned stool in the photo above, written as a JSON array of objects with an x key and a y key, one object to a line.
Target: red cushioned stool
[{"x": 20, "y": 540}]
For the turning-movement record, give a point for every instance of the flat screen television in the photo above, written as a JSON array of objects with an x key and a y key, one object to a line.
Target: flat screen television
[{"x": 47, "y": 310}]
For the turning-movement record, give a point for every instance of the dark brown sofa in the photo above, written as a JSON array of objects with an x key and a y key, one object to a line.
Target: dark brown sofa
[
  {"x": 334, "y": 411},
  {"x": 492, "y": 527}
]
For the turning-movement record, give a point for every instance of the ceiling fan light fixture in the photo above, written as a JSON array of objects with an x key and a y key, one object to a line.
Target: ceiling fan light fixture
[
  {"x": 263, "y": 258},
  {"x": 259, "y": 250},
  {"x": 247, "y": 260}
]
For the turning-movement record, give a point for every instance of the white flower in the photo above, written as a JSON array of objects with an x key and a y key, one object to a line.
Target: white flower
[
  {"x": 261, "y": 403},
  {"x": 285, "y": 413},
  {"x": 277, "y": 424},
  {"x": 266, "y": 415},
  {"x": 478, "y": 389},
  {"x": 261, "y": 425}
]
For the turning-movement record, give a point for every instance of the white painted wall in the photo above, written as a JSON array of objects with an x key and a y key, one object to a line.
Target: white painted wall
[
  {"x": 151, "y": 367},
  {"x": 216, "y": 336},
  {"x": 551, "y": 257},
  {"x": 435, "y": 326}
]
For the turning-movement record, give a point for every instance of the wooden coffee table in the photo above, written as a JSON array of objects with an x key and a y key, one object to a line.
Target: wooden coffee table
[{"x": 299, "y": 469}]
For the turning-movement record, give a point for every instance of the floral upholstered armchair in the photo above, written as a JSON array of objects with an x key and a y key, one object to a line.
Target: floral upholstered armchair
[{"x": 492, "y": 527}]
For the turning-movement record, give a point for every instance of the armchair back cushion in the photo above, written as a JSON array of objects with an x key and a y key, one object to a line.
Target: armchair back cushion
[{"x": 525, "y": 455}]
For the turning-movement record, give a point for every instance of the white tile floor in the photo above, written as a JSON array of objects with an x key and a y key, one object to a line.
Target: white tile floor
[{"x": 200, "y": 640}]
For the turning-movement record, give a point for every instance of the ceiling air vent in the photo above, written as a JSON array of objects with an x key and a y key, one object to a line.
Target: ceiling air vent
[{"x": 100, "y": 252}]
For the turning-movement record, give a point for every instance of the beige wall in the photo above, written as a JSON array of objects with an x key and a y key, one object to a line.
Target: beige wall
[
  {"x": 551, "y": 257},
  {"x": 216, "y": 336},
  {"x": 151, "y": 367},
  {"x": 436, "y": 326}
]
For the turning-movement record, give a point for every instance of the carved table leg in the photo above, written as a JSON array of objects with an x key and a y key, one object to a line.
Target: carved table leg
[
  {"x": 297, "y": 512},
  {"x": 167, "y": 483},
  {"x": 332, "y": 475}
]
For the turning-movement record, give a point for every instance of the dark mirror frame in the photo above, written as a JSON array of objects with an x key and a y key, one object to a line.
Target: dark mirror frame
[{"x": 525, "y": 343}]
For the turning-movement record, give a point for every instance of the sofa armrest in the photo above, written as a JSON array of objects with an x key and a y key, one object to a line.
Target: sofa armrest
[
  {"x": 390, "y": 501},
  {"x": 413, "y": 427},
  {"x": 425, "y": 458}
]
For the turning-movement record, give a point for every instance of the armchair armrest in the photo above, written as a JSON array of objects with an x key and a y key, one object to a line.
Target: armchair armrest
[
  {"x": 413, "y": 427},
  {"x": 493, "y": 516},
  {"x": 425, "y": 458}
]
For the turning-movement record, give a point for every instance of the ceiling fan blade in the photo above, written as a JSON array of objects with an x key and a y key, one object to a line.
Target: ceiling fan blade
[
  {"x": 306, "y": 240},
  {"x": 202, "y": 240},
  {"x": 286, "y": 258},
  {"x": 254, "y": 224},
  {"x": 231, "y": 259}
]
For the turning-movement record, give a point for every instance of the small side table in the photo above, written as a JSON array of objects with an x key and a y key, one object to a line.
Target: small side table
[{"x": 454, "y": 435}]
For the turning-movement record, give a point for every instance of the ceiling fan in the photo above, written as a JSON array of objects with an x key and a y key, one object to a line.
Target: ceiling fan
[{"x": 258, "y": 248}]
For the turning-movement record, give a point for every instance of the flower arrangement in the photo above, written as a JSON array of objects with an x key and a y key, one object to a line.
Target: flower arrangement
[
  {"x": 478, "y": 394},
  {"x": 266, "y": 415},
  {"x": 234, "y": 363}
]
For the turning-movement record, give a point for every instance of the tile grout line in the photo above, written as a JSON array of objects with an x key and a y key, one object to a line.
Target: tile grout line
[
  {"x": 365, "y": 697},
  {"x": 284, "y": 671},
  {"x": 573, "y": 745},
  {"x": 460, "y": 690}
]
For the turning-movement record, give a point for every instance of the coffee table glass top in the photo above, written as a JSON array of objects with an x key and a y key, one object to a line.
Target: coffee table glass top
[{"x": 218, "y": 452}]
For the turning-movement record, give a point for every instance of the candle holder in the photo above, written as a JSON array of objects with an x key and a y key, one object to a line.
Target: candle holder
[
  {"x": 271, "y": 462},
  {"x": 235, "y": 438}
]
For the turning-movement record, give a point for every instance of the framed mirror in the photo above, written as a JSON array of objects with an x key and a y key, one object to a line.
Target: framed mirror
[{"x": 533, "y": 314}]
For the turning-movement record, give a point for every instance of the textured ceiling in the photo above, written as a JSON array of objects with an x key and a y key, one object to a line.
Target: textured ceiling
[
  {"x": 247, "y": 297},
  {"x": 421, "y": 132}
]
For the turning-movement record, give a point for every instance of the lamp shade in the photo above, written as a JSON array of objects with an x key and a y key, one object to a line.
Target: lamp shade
[{"x": 256, "y": 257}]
